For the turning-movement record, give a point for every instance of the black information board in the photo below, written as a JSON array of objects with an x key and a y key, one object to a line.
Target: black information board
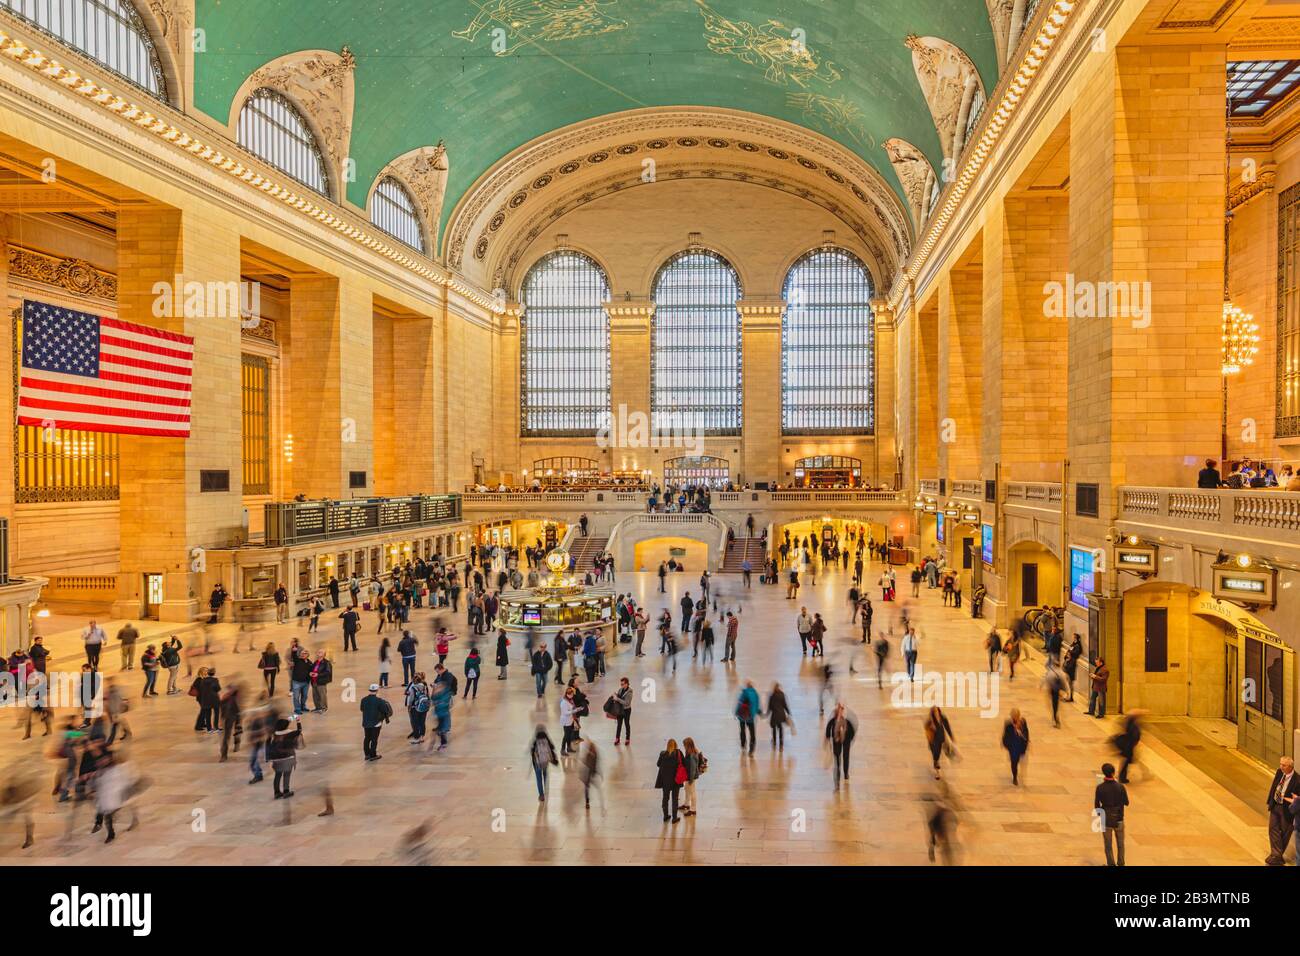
[{"x": 293, "y": 522}]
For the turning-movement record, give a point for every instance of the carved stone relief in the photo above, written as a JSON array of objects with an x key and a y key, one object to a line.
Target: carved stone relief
[{"x": 943, "y": 72}]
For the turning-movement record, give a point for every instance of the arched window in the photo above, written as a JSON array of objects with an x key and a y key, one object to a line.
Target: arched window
[
  {"x": 110, "y": 32},
  {"x": 973, "y": 117},
  {"x": 827, "y": 347},
  {"x": 564, "y": 349},
  {"x": 271, "y": 128},
  {"x": 393, "y": 210},
  {"x": 695, "y": 346}
]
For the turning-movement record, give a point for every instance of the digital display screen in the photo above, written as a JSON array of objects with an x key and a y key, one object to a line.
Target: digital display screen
[
  {"x": 938, "y": 528},
  {"x": 987, "y": 544},
  {"x": 1083, "y": 580},
  {"x": 532, "y": 615}
]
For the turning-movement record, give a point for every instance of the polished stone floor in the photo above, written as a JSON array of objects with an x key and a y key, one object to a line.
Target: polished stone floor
[{"x": 476, "y": 802}]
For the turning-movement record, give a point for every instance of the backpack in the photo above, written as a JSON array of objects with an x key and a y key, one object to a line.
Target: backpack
[
  {"x": 422, "y": 702},
  {"x": 745, "y": 711},
  {"x": 702, "y": 765},
  {"x": 450, "y": 680}
]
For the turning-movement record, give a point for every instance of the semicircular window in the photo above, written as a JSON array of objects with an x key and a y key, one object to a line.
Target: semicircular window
[
  {"x": 272, "y": 129},
  {"x": 393, "y": 210},
  {"x": 110, "y": 32}
]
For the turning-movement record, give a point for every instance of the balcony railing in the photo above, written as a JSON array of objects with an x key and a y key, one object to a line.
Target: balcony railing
[
  {"x": 1227, "y": 511},
  {"x": 636, "y": 501},
  {"x": 1034, "y": 493}
]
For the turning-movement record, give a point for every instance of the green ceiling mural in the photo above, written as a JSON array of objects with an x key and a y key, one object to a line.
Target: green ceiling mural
[{"x": 487, "y": 76}]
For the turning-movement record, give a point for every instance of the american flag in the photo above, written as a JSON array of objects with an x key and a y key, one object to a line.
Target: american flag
[{"x": 99, "y": 374}]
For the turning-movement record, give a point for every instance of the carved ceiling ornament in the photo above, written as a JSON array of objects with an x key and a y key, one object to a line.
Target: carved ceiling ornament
[
  {"x": 659, "y": 133},
  {"x": 915, "y": 173},
  {"x": 72, "y": 275},
  {"x": 1000, "y": 12},
  {"x": 948, "y": 79},
  {"x": 322, "y": 85},
  {"x": 176, "y": 22},
  {"x": 423, "y": 171}
]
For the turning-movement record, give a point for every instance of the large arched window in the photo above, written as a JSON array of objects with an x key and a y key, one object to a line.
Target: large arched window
[
  {"x": 271, "y": 128},
  {"x": 827, "y": 346},
  {"x": 393, "y": 210},
  {"x": 564, "y": 353},
  {"x": 110, "y": 32},
  {"x": 695, "y": 346}
]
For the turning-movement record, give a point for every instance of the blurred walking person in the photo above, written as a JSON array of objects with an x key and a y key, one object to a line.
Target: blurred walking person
[
  {"x": 939, "y": 737},
  {"x": 1015, "y": 741},
  {"x": 840, "y": 731},
  {"x": 541, "y": 754}
]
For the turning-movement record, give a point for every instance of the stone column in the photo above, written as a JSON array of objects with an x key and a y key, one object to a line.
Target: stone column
[
  {"x": 404, "y": 350},
  {"x": 886, "y": 438},
  {"x": 960, "y": 361},
  {"x": 926, "y": 402},
  {"x": 329, "y": 351},
  {"x": 629, "y": 393},
  {"x": 1147, "y": 194},
  {"x": 164, "y": 516},
  {"x": 760, "y": 324}
]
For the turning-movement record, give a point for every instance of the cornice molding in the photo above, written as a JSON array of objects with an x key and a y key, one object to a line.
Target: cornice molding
[
  {"x": 1263, "y": 183},
  {"x": 68, "y": 274}
]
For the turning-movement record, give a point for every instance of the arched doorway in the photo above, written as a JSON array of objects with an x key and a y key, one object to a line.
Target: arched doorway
[{"x": 1033, "y": 577}]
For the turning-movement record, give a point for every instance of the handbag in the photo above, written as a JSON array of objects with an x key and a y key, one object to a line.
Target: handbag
[{"x": 680, "y": 776}]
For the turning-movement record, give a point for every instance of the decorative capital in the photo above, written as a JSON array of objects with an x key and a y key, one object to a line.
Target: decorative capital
[{"x": 1264, "y": 182}]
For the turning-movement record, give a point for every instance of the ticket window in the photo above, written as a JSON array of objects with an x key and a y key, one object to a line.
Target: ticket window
[{"x": 304, "y": 575}]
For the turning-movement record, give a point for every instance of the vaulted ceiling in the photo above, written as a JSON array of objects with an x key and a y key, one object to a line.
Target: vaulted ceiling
[{"x": 486, "y": 77}]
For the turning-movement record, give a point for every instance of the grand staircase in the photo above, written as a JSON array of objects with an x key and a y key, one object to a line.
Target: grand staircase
[
  {"x": 586, "y": 549},
  {"x": 738, "y": 549}
]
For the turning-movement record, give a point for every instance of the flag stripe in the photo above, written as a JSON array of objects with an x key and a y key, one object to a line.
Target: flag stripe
[
  {"x": 141, "y": 380},
  {"x": 117, "y": 429},
  {"x": 40, "y": 402},
  {"x": 67, "y": 388},
  {"x": 146, "y": 330},
  {"x": 184, "y": 355}
]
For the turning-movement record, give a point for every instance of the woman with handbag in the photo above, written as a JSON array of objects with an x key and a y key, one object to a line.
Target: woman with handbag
[
  {"x": 503, "y": 655},
  {"x": 672, "y": 774},
  {"x": 938, "y": 733},
  {"x": 696, "y": 764},
  {"x": 281, "y": 751},
  {"x": 269, "y": 665}
]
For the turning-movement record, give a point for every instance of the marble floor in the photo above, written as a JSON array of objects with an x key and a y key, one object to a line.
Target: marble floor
[{"x": 476, "y": 802}]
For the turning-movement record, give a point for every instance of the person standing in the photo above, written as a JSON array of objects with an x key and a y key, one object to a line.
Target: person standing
[
  {"x": 281, "y": 754},
  {"x": 503, "y": 653},
  {"x": 670, "y": 777},
  {"x": 406, "y": 648},
  {"x": 568, "y": 724},
  {"x": 281, "y": 604},
  {"x": 1071, "y": 664},
  {"x": 541, "y": 754},
  {"x": 993, "y": 645},
  {"x": 816, "y": 636},
  {"x": 334, "y": 592},
  {"x": 911, "y": 648},
  {"x": 939, "y": 736},
  {"x": 93, "y": 637},
  {"x": 1011, "y": 650},
  {"x": 540, "y": 667},
  {"x": 385, "y": 661},
  {"x": 1108, "y": 802},
  {"x": 1015, "y": 740},
  {"x": 803, "y": 625},
  {"x": 351, "y": 624},
  {"x": 623, "y": 711},
  {"x": 473, "y": 667},
  {"x": 778, "y": 714},
  {"x": 375, "y": 712},
  {"x": 300, "y": 668},
  {"x": 313, "y": 621},
  {"x": 149, "y": 664},
  {"x": 1281, "y": 810},
  {"x": 1097, "y": 692},
  {"x": 418, "y": 704},
  {"x": 269, "y": 665},
  {"x": 864, "y": 606},
  {"x": 733, "y": 632},
  {"x": 322, "y": 673},
  {"x": 747, "y": 710},
  {"x": 696, "y": 763},
  {"x": 840, "y": 731},
  {"x": 170, "y": 658},
  {"x": 663, "y": 574},
  {"x": 641, "y": 620},
  {"x": 127, "y": 635}
]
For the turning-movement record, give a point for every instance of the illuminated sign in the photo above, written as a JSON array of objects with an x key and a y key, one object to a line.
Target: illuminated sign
[
  {"x": 938, "y": 528},
  {"x": 987, "y": 544},
  {"x": 1083, "y": 577},
  {"x": 970, "y": 517},
  {"x": 1136, "y": 559},
  {"x": 1255, "y": 585}
]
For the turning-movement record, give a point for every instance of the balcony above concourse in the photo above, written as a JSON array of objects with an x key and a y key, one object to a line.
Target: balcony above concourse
[{"x": 1262, "y": 522}]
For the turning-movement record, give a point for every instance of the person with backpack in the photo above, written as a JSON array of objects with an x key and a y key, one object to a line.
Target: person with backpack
[
  {"x": 670, "y": 777},
  {"x": 473, "y": 667},
  {"x": 747, "y": 710},
  {"x": 317, "y": 609},
  {"x": 589, "y": 662},
  {"x": 170, "y": 658},
  {"x": 322, "y": 673},
  {"x": 541, "y": 754},
  {"x": 375, "y": 712},
  {"x": 444, "y": 693},
  {"x": 696, "y": 764},
  {"x": 419, "y": 702}
]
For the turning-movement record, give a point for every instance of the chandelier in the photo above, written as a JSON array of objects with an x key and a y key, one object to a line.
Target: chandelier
[{"x": 1240, "y": 339}]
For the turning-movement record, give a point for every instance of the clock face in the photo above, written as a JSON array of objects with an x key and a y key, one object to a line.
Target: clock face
[{"x": 557, "y": 561}]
